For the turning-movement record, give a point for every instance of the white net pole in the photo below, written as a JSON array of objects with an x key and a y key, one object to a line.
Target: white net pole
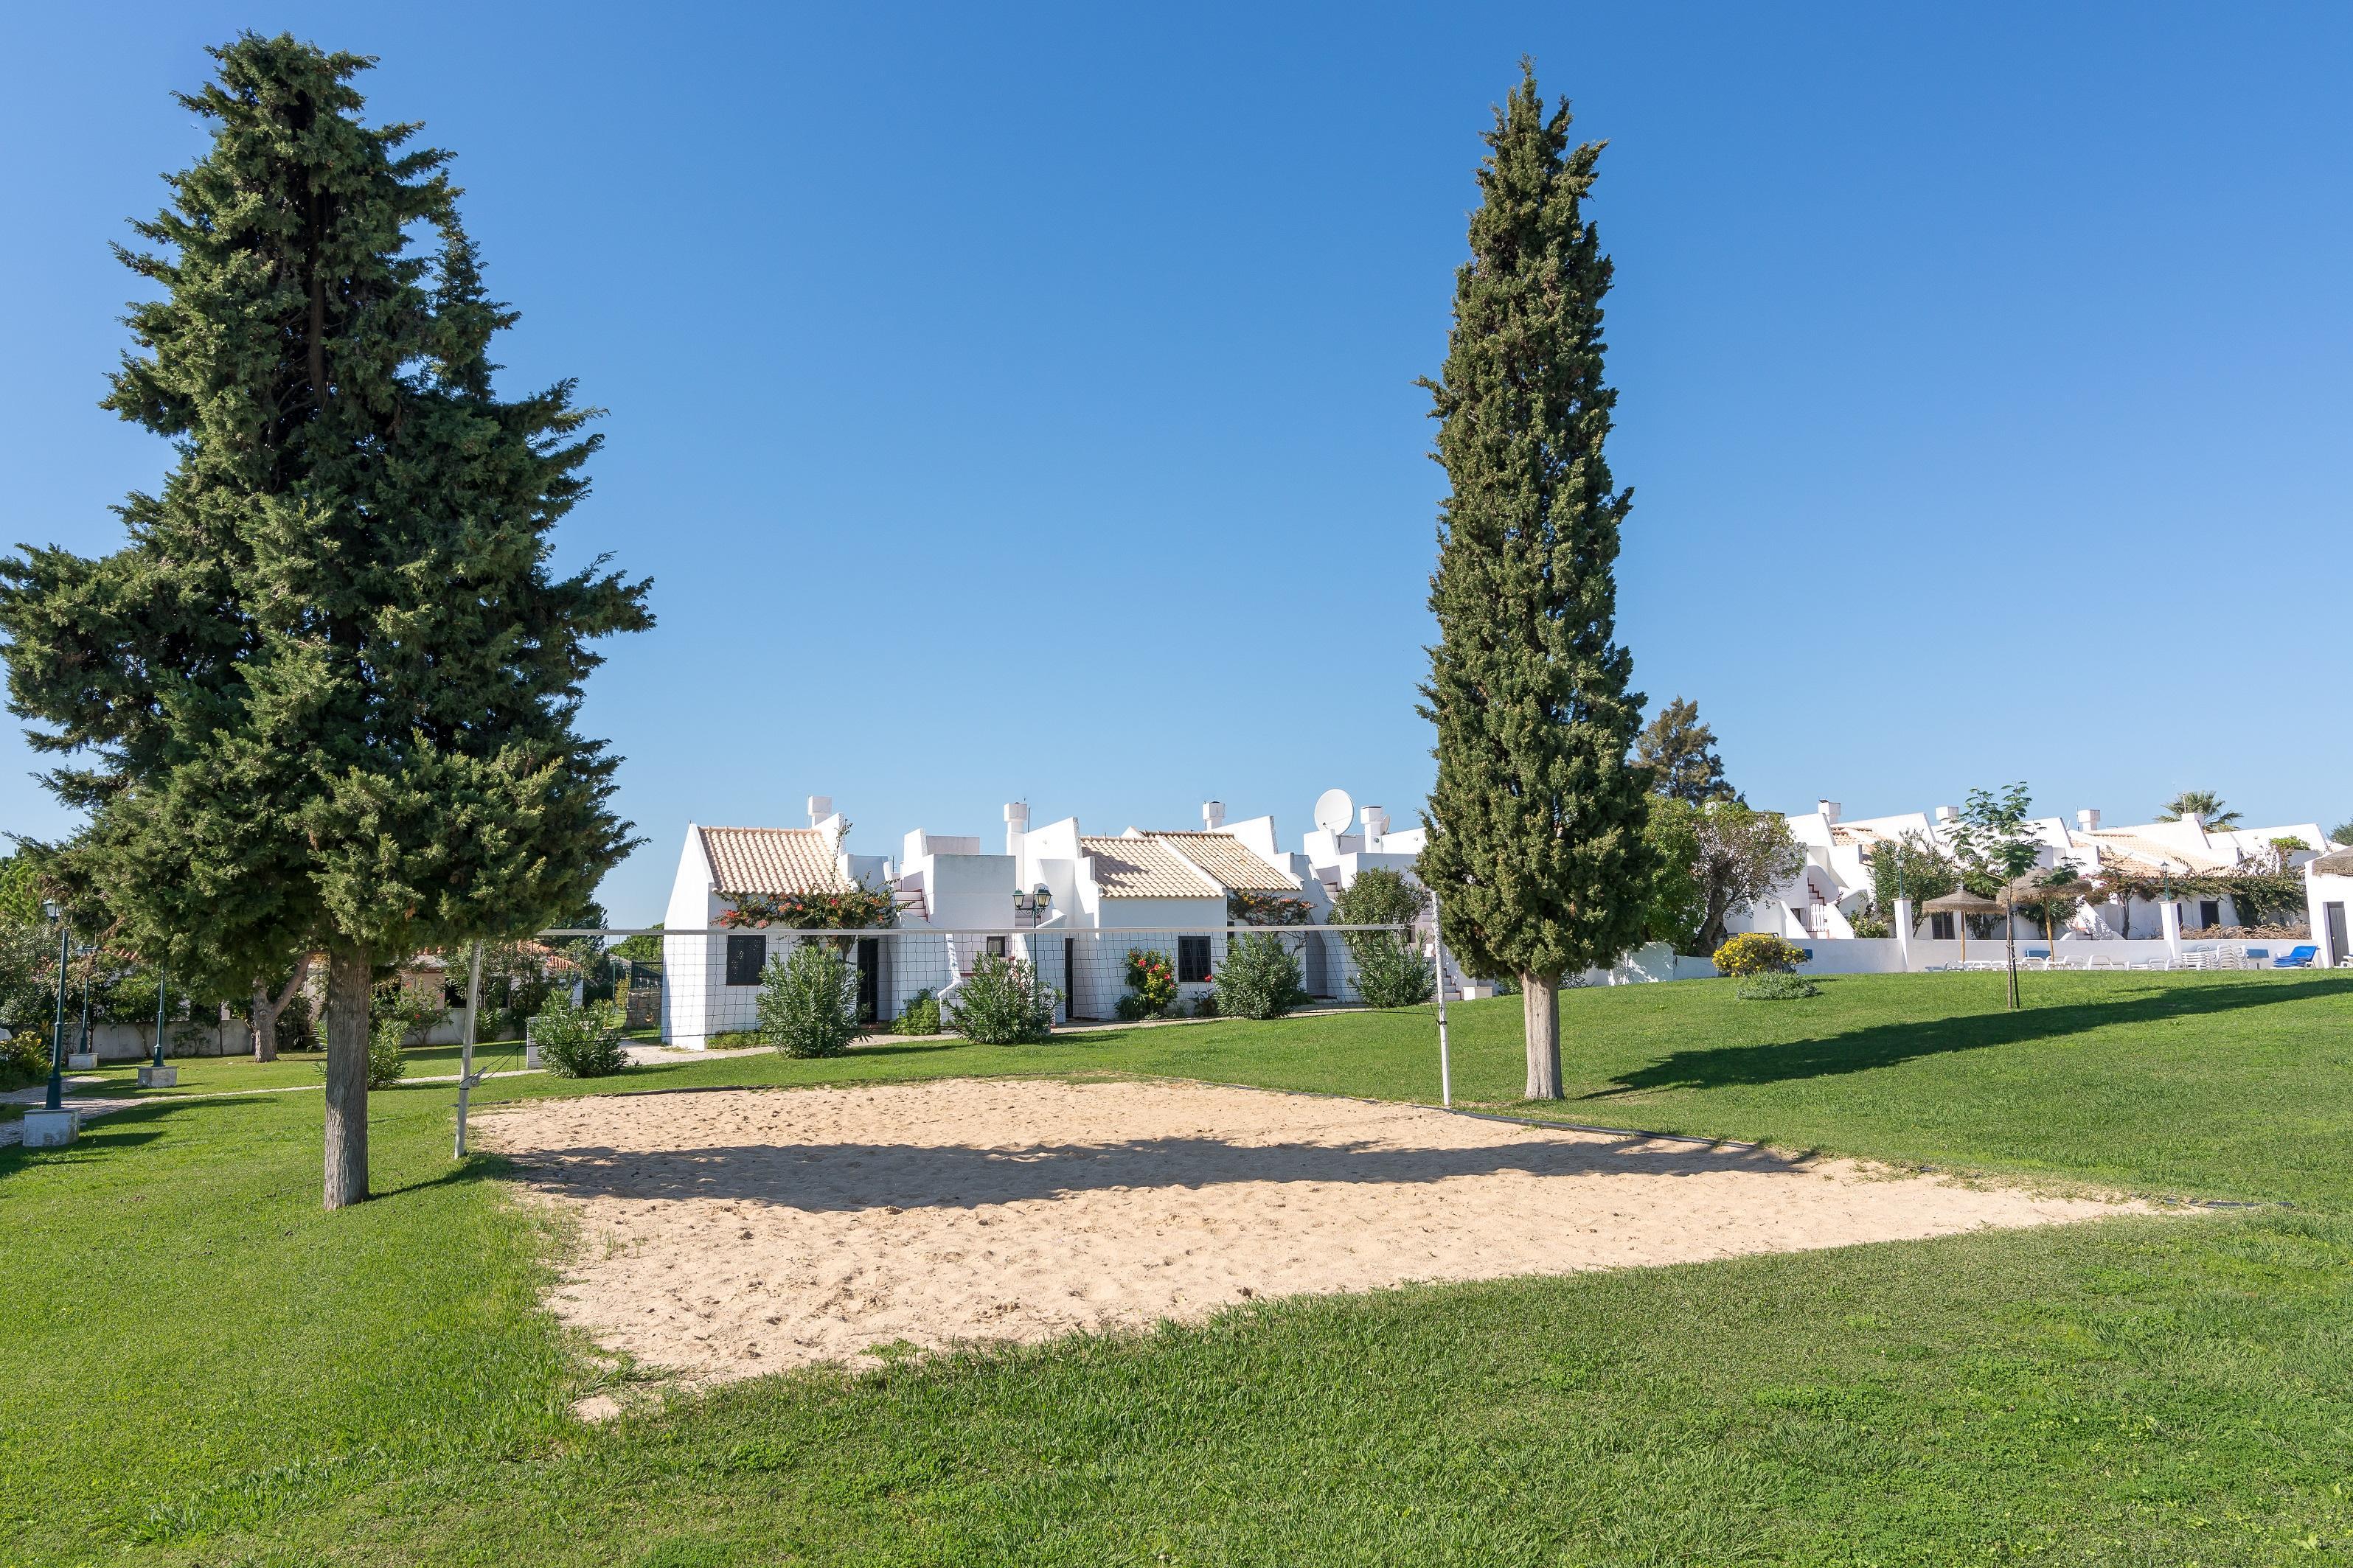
[{"x": 1445, "y": 1065}]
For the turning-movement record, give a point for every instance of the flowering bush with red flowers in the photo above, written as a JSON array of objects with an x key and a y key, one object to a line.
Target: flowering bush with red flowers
[
  {"x": 839, "y": 909},
  {"x": 1151, "y": 984}
]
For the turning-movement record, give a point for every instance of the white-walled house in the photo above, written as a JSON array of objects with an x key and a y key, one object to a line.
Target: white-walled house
[
  {"x": 1834, "y": 882},
  {"x": 710, "y": 977}
]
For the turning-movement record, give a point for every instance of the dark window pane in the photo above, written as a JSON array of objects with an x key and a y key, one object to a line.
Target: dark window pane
[
  {"x": 1192, "y": 958},
  {"x": 746, "y": 954}
]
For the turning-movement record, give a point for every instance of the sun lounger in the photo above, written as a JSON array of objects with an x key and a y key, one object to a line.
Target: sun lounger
[{"x": 2296, "y": 957}]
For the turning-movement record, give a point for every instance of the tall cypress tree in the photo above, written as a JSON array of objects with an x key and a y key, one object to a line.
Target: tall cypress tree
[
  {"x": 324, "y": 697},
  {"x": 1536, "y": 844}
]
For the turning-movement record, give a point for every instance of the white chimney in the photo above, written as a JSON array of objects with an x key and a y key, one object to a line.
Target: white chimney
[
  {"x": 1829, "y": 810},
  {"x": 2088, "y": 820},
  {"x": 1213, "y": 815},
  {"x": 1017, "y": 823},
  {"x": 1375, "y": 819},
  {"x": 1948, "y": 814},
  {"x": 820, "y": 806}
]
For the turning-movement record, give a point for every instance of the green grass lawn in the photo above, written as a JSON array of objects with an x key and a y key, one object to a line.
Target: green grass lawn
[{"x": 205, "y": 1369}]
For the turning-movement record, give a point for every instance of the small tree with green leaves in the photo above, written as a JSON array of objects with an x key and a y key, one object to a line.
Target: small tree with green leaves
[
  {"x": 1909, "y": 866},
  {"x": 809, "y": 1002},
  {"x": 1995, "y": 845}
]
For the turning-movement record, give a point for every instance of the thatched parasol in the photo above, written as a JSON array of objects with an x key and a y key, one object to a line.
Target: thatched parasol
[{"x": 1961, "y": 902}]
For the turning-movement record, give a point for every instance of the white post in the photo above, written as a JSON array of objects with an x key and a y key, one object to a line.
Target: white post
[
  {"x": 1445, "y": 1065},
  {"x": 2169, "y": 915},
  {"x": 466, "y": 1052},
  {"x": 1903, "y": 933}
]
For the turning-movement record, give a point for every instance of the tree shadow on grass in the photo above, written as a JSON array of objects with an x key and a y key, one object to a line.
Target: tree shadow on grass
[{"x": 1887, "y": 1045}]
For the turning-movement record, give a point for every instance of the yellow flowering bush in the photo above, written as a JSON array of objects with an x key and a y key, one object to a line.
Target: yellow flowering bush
[{"x": 1755, "y": 953}]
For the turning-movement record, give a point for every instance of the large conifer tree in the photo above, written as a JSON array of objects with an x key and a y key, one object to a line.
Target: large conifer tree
[
  {"x": 323, "y": 700},
  {"x": 1536, "y": 823}
]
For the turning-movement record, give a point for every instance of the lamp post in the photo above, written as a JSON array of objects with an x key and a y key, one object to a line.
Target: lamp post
[
  {"x": 155, "y": 1075},
  {"x": 1034, "y": 904}
]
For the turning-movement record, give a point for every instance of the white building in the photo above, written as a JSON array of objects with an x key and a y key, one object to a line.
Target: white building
[
  {"x": 1069, "y": 902},
  {"x": 1834, "y": 883}
]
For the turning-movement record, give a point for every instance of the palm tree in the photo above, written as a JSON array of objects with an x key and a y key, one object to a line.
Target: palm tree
[{"x": 2202, "y": 803}]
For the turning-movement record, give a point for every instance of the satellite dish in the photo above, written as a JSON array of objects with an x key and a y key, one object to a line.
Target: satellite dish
[{"x": 1334, "y": 810}]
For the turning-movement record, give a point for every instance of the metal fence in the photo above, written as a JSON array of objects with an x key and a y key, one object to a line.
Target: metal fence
[{"x": 710, "y": 979}]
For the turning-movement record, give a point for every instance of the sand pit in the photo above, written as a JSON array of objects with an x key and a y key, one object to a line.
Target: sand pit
[{"x": 734, "y": 1233}]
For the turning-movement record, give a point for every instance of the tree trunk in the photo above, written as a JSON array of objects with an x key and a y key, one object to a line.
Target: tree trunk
[
  {"x": 265, "y": 1011},
  {"x": 2010, "y": 936},
  {"x": 1540, "y": 1012},
  {"x": 347, "y": 1067},
  {"x": 264, "y": 1018}
]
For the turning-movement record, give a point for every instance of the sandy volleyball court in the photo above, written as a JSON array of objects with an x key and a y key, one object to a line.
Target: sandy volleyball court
[{"x": 737, "y": 1232}]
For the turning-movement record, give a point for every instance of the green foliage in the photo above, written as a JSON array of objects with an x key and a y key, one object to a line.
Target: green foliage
[
  {"x": 1204, "y": 1006},
  {"x": 1775, "y": 985},
  {"x": 1869, "y": 924},
  {"x": 1677, "y": 755},
  {"x": 1392, "y": 973},
  {"x": 2205, "y": 804},
  {"x": 1535, "y": 820},
  {"x": 1913, "y": 867},
  {"x": 1002, "y": 1003},
  {"x": 1391, "y": 970},
  {"x": 24, "y": 1058},
  {"x": 1676, "y": 907},
  {"x": 582, "y": 1040},
  {"x": 856, "y": 907},
  {"x": 1267, "y": 909},
  {"x": 1259, "y": 978},
  {"x": 2342, "y": 834},
  {"x": 324, "y": 697},
  {"x": 1758, "y": 952},
  {"x": 1992, "y": 837},
  {"x": 1151, "y": 984},
  {"x": 1741, "y": 854},
  {"x": 920, "y": 1016},
  {"x": 1379, "y": 897},
  {"x": 809, "y": 1002},
  {"x": 385, "y": 1064},
  {"x": 20, "y": 890},
  {"x": 646, "y": 947}
]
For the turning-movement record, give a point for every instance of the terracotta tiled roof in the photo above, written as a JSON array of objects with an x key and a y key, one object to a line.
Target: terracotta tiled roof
[
  {"x": 2156, "y": 857},
  {"x": 770, "y": 860},
  {"x": 1145, "y": 869},
  {"x": 1229, "y": 861}
]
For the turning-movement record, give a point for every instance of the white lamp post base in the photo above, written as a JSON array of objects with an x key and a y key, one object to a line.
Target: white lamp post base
[
  {"x": 47, "y": 1128},
  {"x": 159, "y": 1077},
  {"x": 81, "y": 1060}
]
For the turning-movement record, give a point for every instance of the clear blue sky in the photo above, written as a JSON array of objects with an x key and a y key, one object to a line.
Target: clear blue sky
[{"x": 1019, "y": 402}]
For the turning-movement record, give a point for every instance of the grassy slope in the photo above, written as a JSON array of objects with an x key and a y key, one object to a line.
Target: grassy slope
[{"x": 205, "y": 1369}]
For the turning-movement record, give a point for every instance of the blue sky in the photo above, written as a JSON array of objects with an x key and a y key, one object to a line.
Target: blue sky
[{"x": 1020, "y": 402}]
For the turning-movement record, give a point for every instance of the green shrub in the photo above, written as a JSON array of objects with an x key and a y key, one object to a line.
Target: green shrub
[
  {"x": 1775, "y": 985},
  {"x": 24, "y": 1058},
  {"x": 296, "y": 1027},
  {"x": 1206, "y": 1005},
  {"x": 1259, "y": 978},
  {"x": 1755, "y": 953},
  {"x": 1869, "y": 925},
  {"x": 1390, "y": 973},
  {"x": 809, "y": 1003},
  {"x": 580, "y": 1041},
  {"x": 1001, "y": 1003},
  {"x": 1151, "y": 984},
  {"x": 920, "y": 1016},
  {"x": 386, "y": 1066}
]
